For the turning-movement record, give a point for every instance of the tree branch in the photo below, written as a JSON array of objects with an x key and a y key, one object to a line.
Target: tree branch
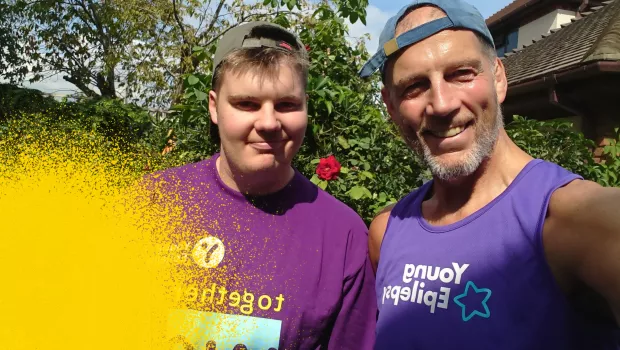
[
  {"x": 204, "y": 15},
  {"x": 215, "y": 16},
  {"x": 97, "y": 23},
  {"x": 179, "y": 22},
  {"x": 80, "y": 85}
]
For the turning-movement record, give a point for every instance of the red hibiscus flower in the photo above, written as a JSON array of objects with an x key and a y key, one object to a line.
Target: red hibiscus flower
[{"x": 328, "y": 168}]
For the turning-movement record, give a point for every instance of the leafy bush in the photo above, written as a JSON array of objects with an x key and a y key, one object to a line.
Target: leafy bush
[
  {"x": 110, "y": 117},
  {"x": 14, "y": 99},
  {"x": 557, "y": 141}
]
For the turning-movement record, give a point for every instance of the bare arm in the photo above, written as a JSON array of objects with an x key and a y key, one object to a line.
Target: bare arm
[
  {"x": 375, "y": 235},
  {"x": 582, "y": 239}
]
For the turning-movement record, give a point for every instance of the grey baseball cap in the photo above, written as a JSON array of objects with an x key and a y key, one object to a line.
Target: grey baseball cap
[
  {"x": 257, "y": 34},
  {"x": 459, "y": 15}
]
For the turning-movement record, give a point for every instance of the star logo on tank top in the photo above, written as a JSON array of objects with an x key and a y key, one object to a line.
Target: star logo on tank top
[{"x": 476, "y": 298}]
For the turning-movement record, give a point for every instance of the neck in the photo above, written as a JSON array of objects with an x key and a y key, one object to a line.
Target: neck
[
  {"x": 456, "y": 199},
  {"x": 256, "y": 184}
]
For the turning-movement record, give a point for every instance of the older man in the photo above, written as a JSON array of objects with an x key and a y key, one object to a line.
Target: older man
[{"x": 499, "y": 250}]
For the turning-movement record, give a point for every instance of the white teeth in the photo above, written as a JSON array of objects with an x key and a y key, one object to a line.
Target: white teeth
[{"x": 450, "y": 132}]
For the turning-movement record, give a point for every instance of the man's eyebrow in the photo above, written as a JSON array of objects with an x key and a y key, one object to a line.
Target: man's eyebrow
[
  {"x": 408, "y": 79},
  {"x": 251, "y": 98},
  {"x": 241, "y": 97},
  {"x": 469, "y": 62},
  {"x": 290, "y": 98}
]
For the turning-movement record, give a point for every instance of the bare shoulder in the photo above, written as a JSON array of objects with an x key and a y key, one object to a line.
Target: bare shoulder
[
  {"x": 581, "y": 237},
  {"x": 375, "y": 234},
  {"x": 583, "y": 212},
  {"x": 579, "y": 212},
  {"x": 582, "y": 202}
]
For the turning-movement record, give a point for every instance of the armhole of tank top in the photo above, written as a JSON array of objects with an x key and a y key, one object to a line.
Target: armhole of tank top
[
  {"x": 387, "y": 227},
  {"x": 398, "y": 205},
  {"x": 540, "y": 247}
]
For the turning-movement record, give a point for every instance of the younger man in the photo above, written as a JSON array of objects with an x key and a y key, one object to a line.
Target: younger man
[{"x": 281, "y": 263}]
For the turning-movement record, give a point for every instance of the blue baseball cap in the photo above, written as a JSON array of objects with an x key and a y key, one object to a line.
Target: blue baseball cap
[{"x": 460, "y": 15}]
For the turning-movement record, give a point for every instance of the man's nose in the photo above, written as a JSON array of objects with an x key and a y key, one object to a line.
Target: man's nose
[
  {"x": 443, "y": 100},
  {"x": 267, "y": 119}
]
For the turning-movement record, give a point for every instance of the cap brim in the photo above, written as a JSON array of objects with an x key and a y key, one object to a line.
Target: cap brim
[{"x": 375, "y": 62}]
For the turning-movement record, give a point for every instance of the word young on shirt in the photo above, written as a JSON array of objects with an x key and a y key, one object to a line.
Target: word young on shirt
[
  {"x": 416, "y": 293},
  {"x": 215, "y": 295}
]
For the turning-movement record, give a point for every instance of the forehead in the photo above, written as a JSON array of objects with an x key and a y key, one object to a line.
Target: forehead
[
  {"x": 417, "y": 16},
  {"x": 256, "y": 81}
]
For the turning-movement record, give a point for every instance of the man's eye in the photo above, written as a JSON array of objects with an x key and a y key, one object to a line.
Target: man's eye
[
  {"x": 464, "y": 75},
  {"x": 287, "y": 106},
  {"x": 414, "y": 89},
  {"x": 247, "y": 105}
]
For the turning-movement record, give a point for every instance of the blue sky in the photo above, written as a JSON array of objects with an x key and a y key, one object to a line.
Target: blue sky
[
  {"x": 486, "y": 7},
  {"x": 380, "y": 10}
]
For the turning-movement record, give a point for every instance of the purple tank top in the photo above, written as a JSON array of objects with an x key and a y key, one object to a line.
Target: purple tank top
[{"x": 482, "y": 282}]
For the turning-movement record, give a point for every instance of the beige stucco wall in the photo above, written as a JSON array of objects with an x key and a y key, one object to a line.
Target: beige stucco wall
[
  {"x": 543, "y": 25},
  {"x": 563, "y": 16}
]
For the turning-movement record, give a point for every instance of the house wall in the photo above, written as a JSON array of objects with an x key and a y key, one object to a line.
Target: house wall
[
  {"x": 605, "y": 132},
  {"x": 543, "y": 25}
]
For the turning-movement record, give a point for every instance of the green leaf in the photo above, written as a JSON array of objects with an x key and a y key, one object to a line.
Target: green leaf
[
  {"x": 367, "y": 193},
  {"x": 322, "y": 83},
  {"x": 344, "y": 170},
  {"x": 315, "y": 179},
  {"x": 329, "y": 106},
  {"x": 382, "y": 197},
  {"x": 200, "y": 95},
  {"x": 322, "y": 184},
  {"x": 368, "y": 174},
  {"x": 192, "y": 79},
  {"x": 314, "y": 162},
  {"x": 358, "y": 192},
  {"x": 353, "y": 18},
  {"x": 343, "y": 142},
  {"x": 316, "y": 128}
]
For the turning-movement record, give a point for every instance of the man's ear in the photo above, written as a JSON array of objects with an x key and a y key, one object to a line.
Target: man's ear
[
  {"x": 385, "y": 95},
  {"x": 501, "y": 82},
  {"x": 213, "y": 106}
]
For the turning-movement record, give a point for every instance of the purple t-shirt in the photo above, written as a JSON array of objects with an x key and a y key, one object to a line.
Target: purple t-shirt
[{"x": 288, "y": 270}]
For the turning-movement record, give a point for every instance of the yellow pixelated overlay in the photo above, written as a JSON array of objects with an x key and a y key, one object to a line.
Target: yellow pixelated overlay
[{"x": 83, "y": 251}]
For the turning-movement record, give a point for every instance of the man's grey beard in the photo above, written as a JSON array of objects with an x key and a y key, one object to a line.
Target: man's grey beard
[{"x": 483, "y": 147}]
